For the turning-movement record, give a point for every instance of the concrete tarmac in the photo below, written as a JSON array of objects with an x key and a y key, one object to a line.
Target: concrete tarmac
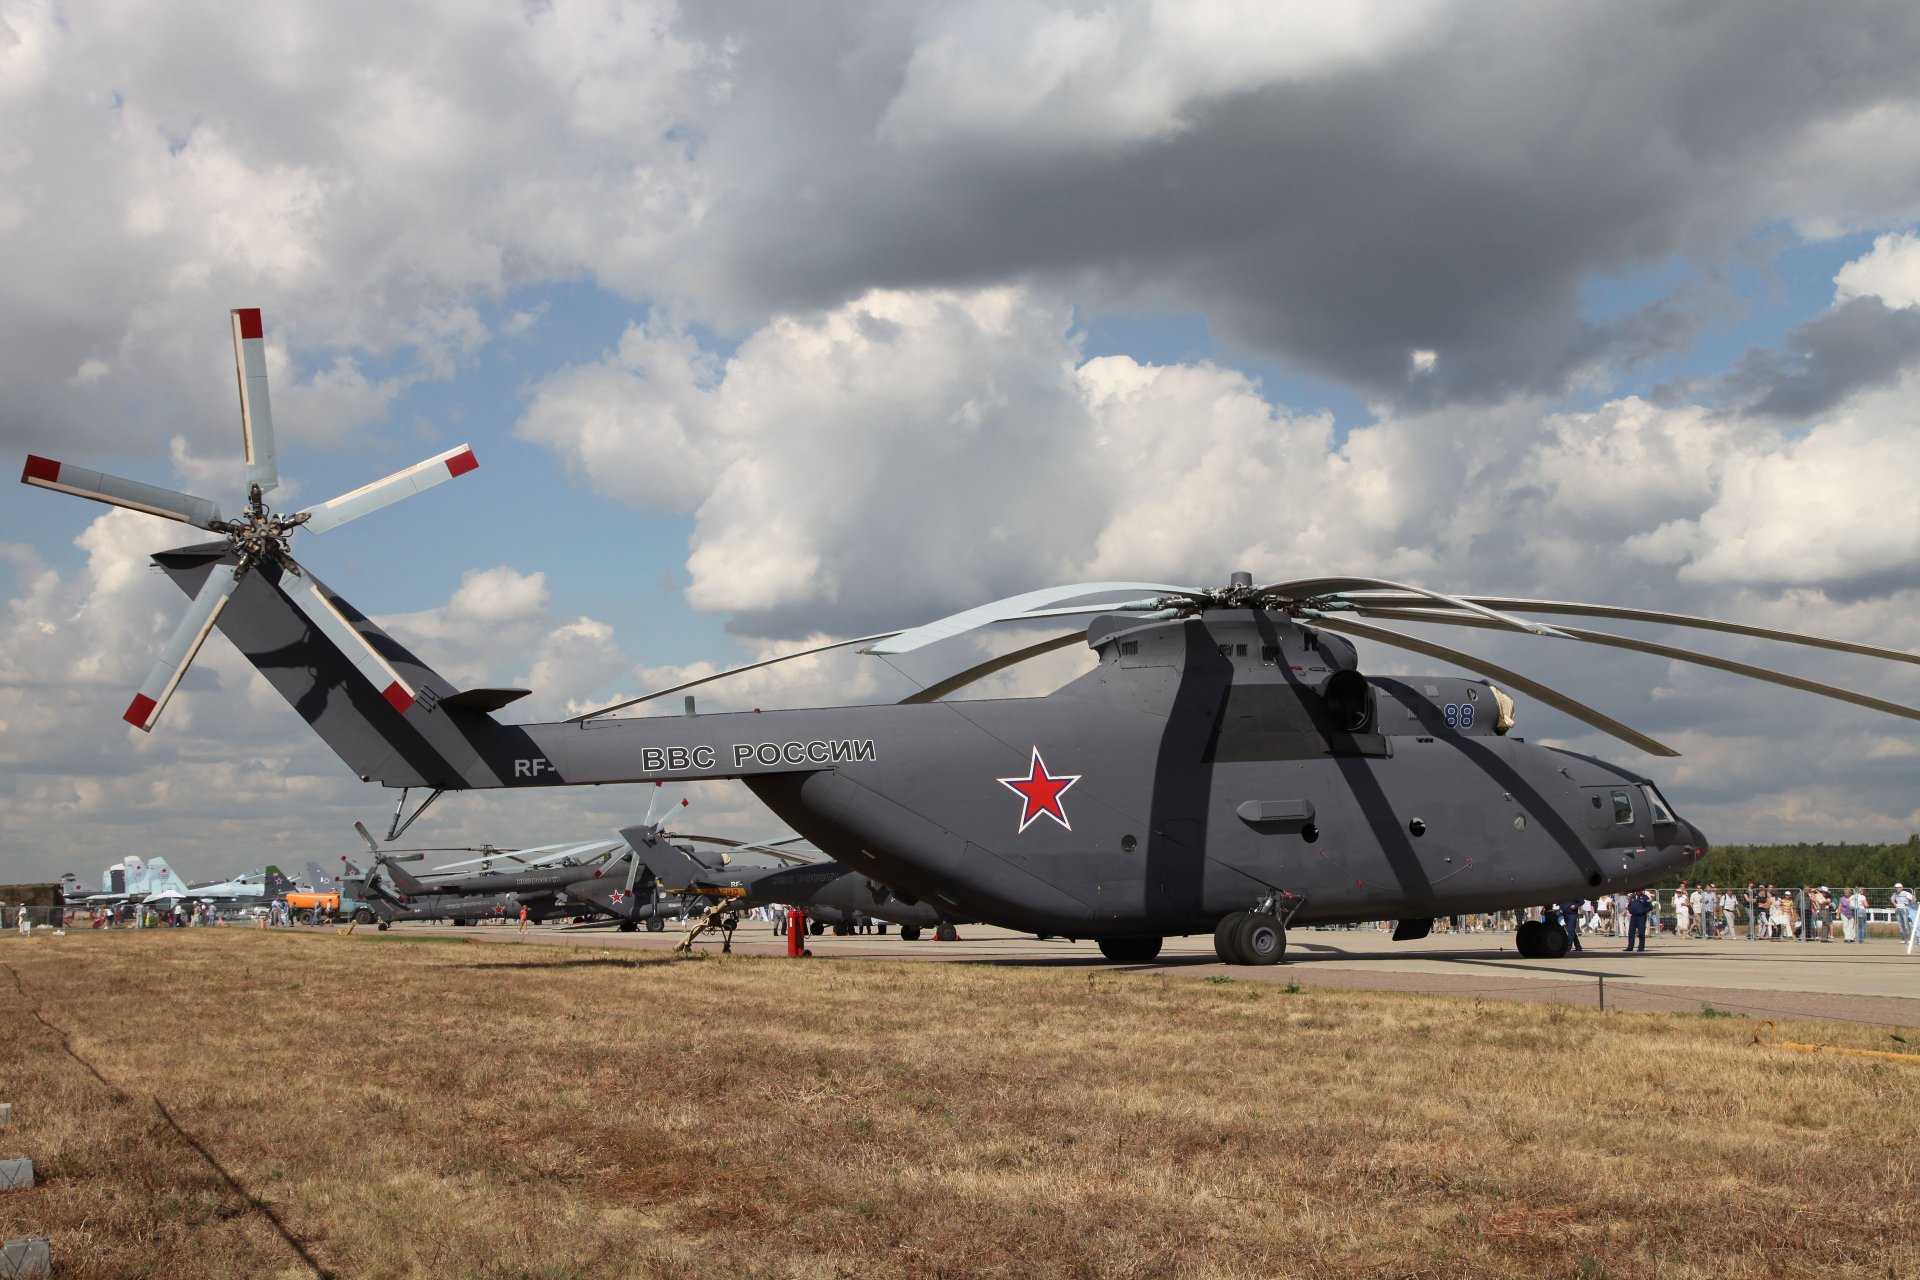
[{"x": 1876, "y": 982}]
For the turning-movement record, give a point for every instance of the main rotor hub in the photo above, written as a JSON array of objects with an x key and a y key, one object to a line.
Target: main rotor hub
[{"x": 260, "y": 535}]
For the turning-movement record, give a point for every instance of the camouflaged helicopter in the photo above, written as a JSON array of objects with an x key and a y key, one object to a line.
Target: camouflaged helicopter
[{"x": 1227, "y": 766}]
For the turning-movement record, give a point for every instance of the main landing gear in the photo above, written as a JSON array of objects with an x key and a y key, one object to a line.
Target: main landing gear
[
  {"x": 1250, "y": 937},
  {"x": 1538, "y": 940}
]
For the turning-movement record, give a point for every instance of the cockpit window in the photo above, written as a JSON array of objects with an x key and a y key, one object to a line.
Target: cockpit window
[
  {"x": 1662, "y": 816},
  {"x": 1622, "y": 809}
]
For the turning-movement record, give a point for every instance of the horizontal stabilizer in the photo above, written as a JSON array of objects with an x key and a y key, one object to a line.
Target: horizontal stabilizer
[{"x": 484, "y": 699}]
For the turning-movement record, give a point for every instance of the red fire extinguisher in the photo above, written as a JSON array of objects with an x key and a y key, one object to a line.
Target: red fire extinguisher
[{"x": 796, "y": 932}]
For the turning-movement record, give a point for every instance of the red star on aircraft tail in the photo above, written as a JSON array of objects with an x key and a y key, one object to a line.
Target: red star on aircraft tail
[{"x": 1041, "y": 791}]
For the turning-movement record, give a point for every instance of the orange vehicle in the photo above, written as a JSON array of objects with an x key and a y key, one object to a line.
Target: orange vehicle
[{"x": 326, "y": 896}]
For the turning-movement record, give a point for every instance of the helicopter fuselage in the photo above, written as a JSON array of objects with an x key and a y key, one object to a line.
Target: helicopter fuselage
[{"x": 1206, "y": 765}]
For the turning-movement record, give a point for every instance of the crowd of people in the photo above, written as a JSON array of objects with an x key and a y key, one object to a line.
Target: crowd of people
[{"x": 1759, "y": 912}]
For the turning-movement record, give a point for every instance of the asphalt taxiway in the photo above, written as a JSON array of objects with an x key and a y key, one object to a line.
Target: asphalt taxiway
[{"x": 1876, "y": 982}]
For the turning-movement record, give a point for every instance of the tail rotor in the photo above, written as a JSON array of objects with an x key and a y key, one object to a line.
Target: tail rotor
[{"x": 258, "y": 538}]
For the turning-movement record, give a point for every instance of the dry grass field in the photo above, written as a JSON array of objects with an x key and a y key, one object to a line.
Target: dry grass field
[{"x": 229, "y": 1103}]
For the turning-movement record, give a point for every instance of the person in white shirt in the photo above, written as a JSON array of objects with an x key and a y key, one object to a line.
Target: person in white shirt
[
  {"x": 1903, "y": 913},
  {"x": 1859, "y": 901}
]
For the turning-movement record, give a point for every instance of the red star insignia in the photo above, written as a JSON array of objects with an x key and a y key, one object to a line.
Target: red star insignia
[
  {"x": 1041, "y": 791},
  {"x": 619, "y": 895}
]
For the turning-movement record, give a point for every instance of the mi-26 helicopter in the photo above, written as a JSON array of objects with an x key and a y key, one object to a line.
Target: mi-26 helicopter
[{"x": 1227, "y": 766}]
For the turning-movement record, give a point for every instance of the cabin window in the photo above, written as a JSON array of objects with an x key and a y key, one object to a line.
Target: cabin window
[
  {"x": 1662, "y": 816},
  {"x": 1622, "y": 809}
]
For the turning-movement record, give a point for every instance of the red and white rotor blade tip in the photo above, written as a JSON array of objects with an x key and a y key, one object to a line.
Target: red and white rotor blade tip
[
  {"x": 401, "y": 484},
  {"x": 256, "y": 408},
  {"x": 135, "y": 496},
  {"x": 324, "y": 614},
  {"x": 185, "y": 642}
]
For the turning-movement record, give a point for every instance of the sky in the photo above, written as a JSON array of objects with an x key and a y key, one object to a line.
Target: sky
[{"x": 772, "y": 324}]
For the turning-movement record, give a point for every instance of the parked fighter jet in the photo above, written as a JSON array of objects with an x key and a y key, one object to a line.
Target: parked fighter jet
[
  {"x": 256, "y": 888},
  {"x": 1226, "y": 767},
  {"x": 131, "y": 880}
]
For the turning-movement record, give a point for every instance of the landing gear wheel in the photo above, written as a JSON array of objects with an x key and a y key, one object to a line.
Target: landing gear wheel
[
  {"x": 944, "y": 932},
  {"x": 842, "y": 930},
  {"x": 815, "y": 928},
  {"x": 628, "y": 926},
  {"x": 383, "y": 926},
  {"x": 1223, "y": 937},
  {"x": 1526, "y": 939},
  {"x": 909, "y": 933},
  {"x": 1554, "y": 943},
  {"x": 1260, "y": 939},
  {"x": 655, "y": 924},
  {"x": 1130, "y": 950}
]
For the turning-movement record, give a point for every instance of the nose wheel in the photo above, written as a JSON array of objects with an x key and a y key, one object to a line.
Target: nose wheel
[
  {"x": 1538, "y": 940},
  {"x": 1250, "y": 937}
]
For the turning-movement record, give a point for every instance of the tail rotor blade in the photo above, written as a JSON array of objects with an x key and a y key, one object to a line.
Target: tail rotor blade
[
  {"x": 63, "y": 477},
  {"x": 185, "y": 642},
  {"x": 256, "y": 409},
  {"x": 401, "y": 484},
  {"x": 333, "y": 624}
]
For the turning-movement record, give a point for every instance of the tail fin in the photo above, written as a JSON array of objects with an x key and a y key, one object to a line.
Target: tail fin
[
  {"x": 161, "y": 879},
  {"x": 320, "y": 880},
  {"x": 446, "y": 739},
  {"x": 135, "y": 873},
  {"x": 672, "y": 865},
  {"x": 276, "y": 885}
]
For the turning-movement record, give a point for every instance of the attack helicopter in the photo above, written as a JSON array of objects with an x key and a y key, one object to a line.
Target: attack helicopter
[
  {"x": 1227, "y": 766},
  {"x": 832, "y": 896}
]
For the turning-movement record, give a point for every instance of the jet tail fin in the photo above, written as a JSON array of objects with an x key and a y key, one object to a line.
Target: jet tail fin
[{"x": 276, "y": 885}]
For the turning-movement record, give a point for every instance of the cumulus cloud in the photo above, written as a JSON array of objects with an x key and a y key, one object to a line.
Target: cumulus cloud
[
  {"x": 1890, "y": 272},
  {"x": 162, "y": 167}
]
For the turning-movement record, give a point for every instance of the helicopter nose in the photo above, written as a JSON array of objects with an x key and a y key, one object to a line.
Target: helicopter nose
[{"x": 1698, "y": 842}]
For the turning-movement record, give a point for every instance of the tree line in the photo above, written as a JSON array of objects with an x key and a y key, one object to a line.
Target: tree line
[{"x": 1796, "y": 864}]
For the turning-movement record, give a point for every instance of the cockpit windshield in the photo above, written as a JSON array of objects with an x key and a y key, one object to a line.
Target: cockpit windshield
[{"x": 1662, "y": 816}]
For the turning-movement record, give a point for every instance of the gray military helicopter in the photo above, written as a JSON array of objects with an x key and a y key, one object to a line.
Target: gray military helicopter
[
  {"x": 548, "y": 885},
  {"x": 832, "y": 895},
  {"x": 1226, "y": 767}
]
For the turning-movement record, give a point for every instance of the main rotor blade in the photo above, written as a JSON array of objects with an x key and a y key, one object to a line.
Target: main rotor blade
[
  {"x": 1317, "y": 588},
  {"x": 772, "y": 850},
  {"x": 1013, "y": 607},
  {"x": 721, "y": 675},
  {"x": 384, "y": 493},
  {"x": 1677, "y": 655},
  {"x": 182, "y": 646},
  {"x": 64, "y": 477},
  {"x": 256, "y": 409},
  {"x": 1553, "y": 698},
  {"x": 333, "y": 624},
  {"x": 1577, "y": 609},
  {"x": 961, "y": 679}
]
